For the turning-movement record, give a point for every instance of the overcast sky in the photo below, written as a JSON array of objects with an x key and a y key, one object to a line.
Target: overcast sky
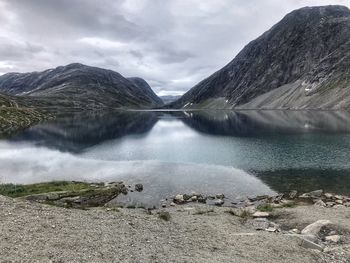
[{"x": 173, "y": 44}]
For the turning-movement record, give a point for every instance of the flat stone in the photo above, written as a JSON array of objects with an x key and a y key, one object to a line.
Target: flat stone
[
  {"x": 339, "y": 201},
  {"x": 333, "y": 238},
  {"x": 339, "y": 197},
  {"x": 317, "y": 193},
  {"x": 314, "y": 228},
  {"x": 305, "y": 243},
  {"x": 261, "y": 214}
]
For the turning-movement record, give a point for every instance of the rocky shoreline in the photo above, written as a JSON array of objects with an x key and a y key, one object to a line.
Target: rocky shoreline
[{"x": 314, "y": 225}]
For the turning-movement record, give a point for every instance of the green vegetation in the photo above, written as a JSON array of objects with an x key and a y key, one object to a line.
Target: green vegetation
[
  {"x": 13, "y": 190},
  {"x": 164, "y": 215},
  {"x": 265, "y": 208}
]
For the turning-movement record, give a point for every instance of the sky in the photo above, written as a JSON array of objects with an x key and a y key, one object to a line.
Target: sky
[{"x": 172, "y": 44}]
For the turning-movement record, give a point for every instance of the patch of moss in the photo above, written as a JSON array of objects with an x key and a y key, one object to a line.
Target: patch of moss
[
  {"x": 265, "y": 208},
  {"x": 13, "y": 190}
]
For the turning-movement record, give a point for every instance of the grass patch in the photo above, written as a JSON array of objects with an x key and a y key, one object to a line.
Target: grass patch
[
  {"x": 291, "y": 204},
  {"x": 265, "y": 208},
  {"x": 164, "y": 215},
  {"x": 13, "y": 190}
]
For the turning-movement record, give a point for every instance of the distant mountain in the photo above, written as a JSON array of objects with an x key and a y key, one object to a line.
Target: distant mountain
[
  {"x": 169, "y": 98},
  {"x": 301, "y": 62},
  {"x": 80, "y": 86}
]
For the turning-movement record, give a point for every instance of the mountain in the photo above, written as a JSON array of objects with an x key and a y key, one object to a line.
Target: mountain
[
  {"x": 14, "y": 118},
  {"x": 80, "y": 86},
  {"x": 143, "y": 85},
  {"x": 300, "y": 63},
  {"x": 170, "y": 98}
]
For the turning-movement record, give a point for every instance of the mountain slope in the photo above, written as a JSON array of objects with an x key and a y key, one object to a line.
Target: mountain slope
[
  {"x": 143, "y": 85},
  {"x": 301, "y": 62},
  {"x": 14, "y": 118},
  {"x": 77, "y": 85}
]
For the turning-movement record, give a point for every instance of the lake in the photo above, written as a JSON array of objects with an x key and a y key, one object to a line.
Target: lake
[{"x": 238, "y": 153}]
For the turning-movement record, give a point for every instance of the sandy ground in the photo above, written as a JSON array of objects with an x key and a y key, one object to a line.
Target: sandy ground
[{"x": 39, "y": 233}]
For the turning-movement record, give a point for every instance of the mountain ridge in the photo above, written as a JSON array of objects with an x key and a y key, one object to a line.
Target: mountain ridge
[
  {"x": 79, "y": 85},
  {"x": 299, "y": 51}
]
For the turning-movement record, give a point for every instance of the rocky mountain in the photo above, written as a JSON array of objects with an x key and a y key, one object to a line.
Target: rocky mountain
[
  {"x": 80, "y": 86},
  {"x": 301, "y": 62}
]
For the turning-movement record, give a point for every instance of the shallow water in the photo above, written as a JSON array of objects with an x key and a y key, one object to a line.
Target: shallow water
[{"x": 236, "y": 153}]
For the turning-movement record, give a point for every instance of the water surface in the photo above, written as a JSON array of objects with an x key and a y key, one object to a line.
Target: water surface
[{"x": 238, "y": 153}]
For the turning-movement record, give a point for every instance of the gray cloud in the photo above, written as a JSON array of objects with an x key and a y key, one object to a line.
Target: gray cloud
[{"x": 173, "y": 44}]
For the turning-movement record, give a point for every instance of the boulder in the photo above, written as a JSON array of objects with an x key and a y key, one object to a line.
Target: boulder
[
  {"x": 328, "y": 195},
  {"x": 315, "y": 228},
  {"x": 293, "y": 194}
]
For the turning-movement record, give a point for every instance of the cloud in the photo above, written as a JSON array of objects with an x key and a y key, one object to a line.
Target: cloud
[{"x": 173, "y": 44}]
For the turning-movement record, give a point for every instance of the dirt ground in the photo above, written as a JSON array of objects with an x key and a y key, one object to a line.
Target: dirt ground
[{"x": 32, "y": 232}]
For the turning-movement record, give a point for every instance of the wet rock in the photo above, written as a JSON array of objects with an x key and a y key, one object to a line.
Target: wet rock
[
  {"x": 187, "y": 197},
  {"x": 219, "y": 202},
  {"x": 261, "y": 214},
  {"x": 315, "y": 228},
  {"x": 139, "y": 187},
  {"x": 333, "y": 238}
]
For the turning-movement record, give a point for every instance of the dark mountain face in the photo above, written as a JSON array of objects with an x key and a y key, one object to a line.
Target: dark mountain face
[
  {"x": 301, "y": 62},
  {"x": 77, "y": 85},
  {"x": 143, "y": 85}
]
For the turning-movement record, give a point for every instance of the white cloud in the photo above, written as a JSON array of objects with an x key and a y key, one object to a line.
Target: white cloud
[{"x": 173, "y": 44}]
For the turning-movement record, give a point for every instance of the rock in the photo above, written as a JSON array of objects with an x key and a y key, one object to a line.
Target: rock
[
  {"x": 187, "y": 197},
  {"x": 294, "y": 231},
  {"x": 333, "y": 238},
  {"x": 172, "y": 204},
  {"x": 347, "y": 204},
  {"x": 179, "y": 199},
  {"x": 271, "y": 229},
  {"x": 163, "y": 205},
  {"x": 314, "y": 228},
  {"x": 259, "y": 223},
  {"x": 339, "y": 197},
  {"x": 320, "y": 203},
  {"x": 340, "y": 202},
  {"x": 193, "y": 198},
  {"x": 305, "y": 243},
  {"x": 293, "y": 194},
  {"x": 202, "y": 199},
  {"x": 328, "y": 195},
  {"x": 330, "y": 204},
  {"x": 220, "y": 196},
  {"x": 261, "y": 214},
  {"x": 219, "y": 202},
  {"x": 139, "y": 187}
]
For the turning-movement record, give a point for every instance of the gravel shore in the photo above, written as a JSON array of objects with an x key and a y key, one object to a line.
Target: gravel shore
[{"x": 32, "y": 232}]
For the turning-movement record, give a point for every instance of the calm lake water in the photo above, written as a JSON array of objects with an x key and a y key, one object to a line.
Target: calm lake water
[{"x": 236, "y": 153}]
